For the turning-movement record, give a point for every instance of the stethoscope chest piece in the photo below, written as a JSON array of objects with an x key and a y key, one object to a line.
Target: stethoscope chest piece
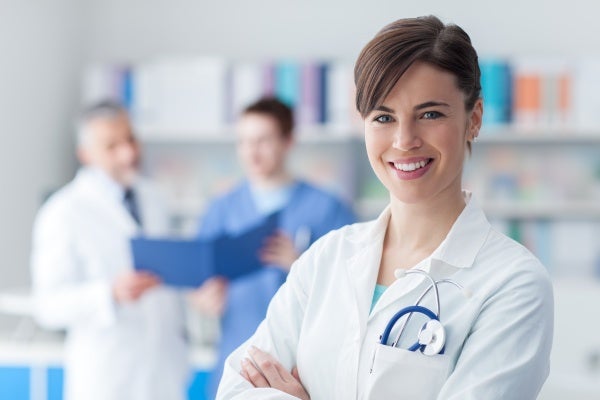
[{"x": 432, "y": 338}]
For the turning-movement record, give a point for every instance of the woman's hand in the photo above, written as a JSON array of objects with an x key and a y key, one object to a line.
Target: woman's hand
[{"x": 266, "y": 371}]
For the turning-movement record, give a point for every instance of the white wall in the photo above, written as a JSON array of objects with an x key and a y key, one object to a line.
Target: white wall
[
  {"x": 40, "y": 51},
  {"x": 137, "y": 29}
]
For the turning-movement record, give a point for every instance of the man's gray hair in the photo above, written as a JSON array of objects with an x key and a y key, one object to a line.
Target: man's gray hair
[{"x": 101, "y": 109}]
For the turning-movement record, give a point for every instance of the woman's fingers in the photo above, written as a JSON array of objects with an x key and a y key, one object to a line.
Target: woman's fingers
[
  {"x": 269, "y": 367},
  {"x": 253, "y": 375},
  {"x": 263, "y": 370},
  {"x": 296, "y": 375},
  {"x": 266, "y": 371}
]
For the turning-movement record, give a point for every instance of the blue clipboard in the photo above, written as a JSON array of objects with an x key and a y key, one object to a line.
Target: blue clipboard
[{"x": 188, "y": 263}]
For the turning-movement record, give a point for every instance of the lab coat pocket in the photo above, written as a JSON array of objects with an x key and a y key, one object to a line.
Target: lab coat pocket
[{"x": 399, "y": 373}]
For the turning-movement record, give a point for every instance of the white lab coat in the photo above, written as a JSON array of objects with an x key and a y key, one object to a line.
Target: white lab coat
[
  {"x": 80, "y": 244},
  {"x": 498, "y": 338}
]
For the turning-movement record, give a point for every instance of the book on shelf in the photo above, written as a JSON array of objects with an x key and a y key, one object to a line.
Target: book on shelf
[
  {"x": 288, "y": 82},
  {"x": 496, "y": 91},
  {"x": 310, "y": 109}
]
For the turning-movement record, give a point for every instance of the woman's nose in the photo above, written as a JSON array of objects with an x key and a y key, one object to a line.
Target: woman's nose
[{"x": 406, "y": 137}]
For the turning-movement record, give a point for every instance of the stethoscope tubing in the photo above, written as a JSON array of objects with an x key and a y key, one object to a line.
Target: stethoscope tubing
[
  {"x": 421, "y": 297},
  {"x": 406, "y": 310}
]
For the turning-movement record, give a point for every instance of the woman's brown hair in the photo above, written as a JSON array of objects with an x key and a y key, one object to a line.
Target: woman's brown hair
[{"x": 398, "y": 45}]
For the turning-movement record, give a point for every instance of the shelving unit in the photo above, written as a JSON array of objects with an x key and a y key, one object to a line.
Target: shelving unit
[{"x": 522, "y": 177}]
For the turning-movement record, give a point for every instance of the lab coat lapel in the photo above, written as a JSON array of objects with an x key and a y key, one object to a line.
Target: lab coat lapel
[
  {"x": 457, "y": 251},
  {"x": 109, "y": 205},
  {"x": 363, "y": 266},
  {"x": 465, "y": 239}
]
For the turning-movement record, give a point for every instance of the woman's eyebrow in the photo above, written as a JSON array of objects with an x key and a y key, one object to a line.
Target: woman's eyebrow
[
  {"x": 428, "y": 104},
  {"x": 418, "y": 107},
  {"x": 384, "y": 109}
]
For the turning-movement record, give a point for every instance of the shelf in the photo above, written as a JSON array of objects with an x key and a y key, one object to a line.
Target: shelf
[
  {"x": 225, "y": 135},
  {"x": 538, "y": 135},
  {"x": 579, "y": 210}
]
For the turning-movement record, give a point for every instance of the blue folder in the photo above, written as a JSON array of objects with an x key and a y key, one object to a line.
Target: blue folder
[{"x": 188, "y": 263}]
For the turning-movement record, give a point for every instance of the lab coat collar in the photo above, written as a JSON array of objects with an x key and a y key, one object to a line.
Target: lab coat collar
[
  {"x": 466, "y": 237},
  {"x": 102, "y": 182},
  {"x": 458, "y": 250}
]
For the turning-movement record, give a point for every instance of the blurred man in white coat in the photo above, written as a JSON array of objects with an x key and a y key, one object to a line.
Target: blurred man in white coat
[{"x": 125, "y": 331}]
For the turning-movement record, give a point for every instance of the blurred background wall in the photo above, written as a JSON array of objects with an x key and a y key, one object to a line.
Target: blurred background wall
[{"x": 44, "y": 46}]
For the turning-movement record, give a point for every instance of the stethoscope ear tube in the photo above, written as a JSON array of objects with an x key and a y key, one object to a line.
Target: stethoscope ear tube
[{"x": 406, "y": 310}]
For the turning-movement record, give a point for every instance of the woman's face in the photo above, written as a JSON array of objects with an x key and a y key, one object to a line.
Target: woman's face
[
  {"x": 262, "y": 148},
  {"x": 416, "y": 141}
]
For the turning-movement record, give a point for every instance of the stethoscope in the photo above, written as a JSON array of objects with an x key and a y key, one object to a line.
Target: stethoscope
[{"x": 431, "y": 339}]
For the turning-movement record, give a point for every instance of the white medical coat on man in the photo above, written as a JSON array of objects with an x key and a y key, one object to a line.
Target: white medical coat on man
[
  {"x": 498, "y": 337},
  {"x": 113, "y": 351}
]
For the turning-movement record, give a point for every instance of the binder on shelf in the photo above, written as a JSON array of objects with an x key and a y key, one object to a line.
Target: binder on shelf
[
  {"x": 527, "y": 89},
  {"x": 496, "y": 91},
  {"x": 288, "y": 82},
  {"x": 311, "y": 109},
  {"x": 188, "y": 263}
]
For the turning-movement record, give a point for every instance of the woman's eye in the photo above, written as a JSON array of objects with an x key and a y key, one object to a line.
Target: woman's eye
[
  {"x": 384, "y": 119},
  {"x": 431, "y": 115}
]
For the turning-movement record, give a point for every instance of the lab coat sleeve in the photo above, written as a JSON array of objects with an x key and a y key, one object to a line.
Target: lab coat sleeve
[
  {"x": 278, "y": 335},
  {"x": 62, "y": 296},
  {"x": 506, "y": 355}
]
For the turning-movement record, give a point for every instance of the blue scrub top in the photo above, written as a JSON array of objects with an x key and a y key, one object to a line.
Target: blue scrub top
[{"x": 248, "y": 297}]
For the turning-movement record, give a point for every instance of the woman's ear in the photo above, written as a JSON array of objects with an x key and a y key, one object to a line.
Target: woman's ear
[{"x": 475, "y": 120}]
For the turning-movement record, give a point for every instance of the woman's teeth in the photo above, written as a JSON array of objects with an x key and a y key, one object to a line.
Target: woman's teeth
[{"x": 411, "y": 166}]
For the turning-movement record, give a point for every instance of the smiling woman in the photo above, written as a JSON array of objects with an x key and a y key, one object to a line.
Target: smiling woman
[
  {"x": 418, "y": 92},
  {"x": 422, "y": 130}
]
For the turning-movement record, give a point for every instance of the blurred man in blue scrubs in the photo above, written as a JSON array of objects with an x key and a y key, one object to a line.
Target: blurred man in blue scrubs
[
  {"x": 125, "y": 331},
  {"x": 306, "y": 213}
]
